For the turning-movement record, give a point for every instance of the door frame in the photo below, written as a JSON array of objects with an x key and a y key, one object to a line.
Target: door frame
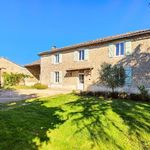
[{"x": 79, "y": 81}]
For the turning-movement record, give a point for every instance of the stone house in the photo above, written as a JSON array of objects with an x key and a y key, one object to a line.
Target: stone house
[
  {"x": 9, "y": 66},
  {"x": 76, "y": 67}
]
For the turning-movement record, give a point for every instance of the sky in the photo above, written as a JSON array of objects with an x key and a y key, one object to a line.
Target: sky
[{"x": 28, "y": 27}]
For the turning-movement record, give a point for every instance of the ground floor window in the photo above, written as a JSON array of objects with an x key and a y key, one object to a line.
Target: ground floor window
[{"x": 56, "y": 77}]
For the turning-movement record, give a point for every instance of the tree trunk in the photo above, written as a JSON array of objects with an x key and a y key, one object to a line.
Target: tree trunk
[{"x": 113, "y": 90}]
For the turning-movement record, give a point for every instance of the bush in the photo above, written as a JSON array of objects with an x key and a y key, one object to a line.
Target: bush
[
  {"x": 40, "y": 86},
  {"x": 139, "y": 97},
  {"x": 135, "y": 97},
  {"x": 116, "y": 95},
  {"x": 123, "y": 95},
  {"x": 12, "y": 79},
  {"x": 143, "y": 92}
]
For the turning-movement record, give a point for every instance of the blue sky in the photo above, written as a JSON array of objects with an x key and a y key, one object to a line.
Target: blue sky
[{"x": 28, "y": 27}]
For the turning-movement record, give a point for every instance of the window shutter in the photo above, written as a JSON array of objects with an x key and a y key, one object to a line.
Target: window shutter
[
  {"x": 111, "y": 50},
  {"x": 128, "y": 73},
  {"x": 53, "y": 59},
  {"x": 128, "y": 48},
  {"x": 86, "y": 52},
  {"x": 52, "y": 77},
  {"x": 60, "y": 58},
  {"x": 60, "y": 76},
  {"x": 76, "y": 56}
]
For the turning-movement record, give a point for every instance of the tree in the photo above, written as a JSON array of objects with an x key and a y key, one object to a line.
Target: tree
[{"x": 112, "y": 76}]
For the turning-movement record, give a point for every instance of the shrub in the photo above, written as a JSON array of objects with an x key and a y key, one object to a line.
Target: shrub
[
  {"x": 40, "y": 86},
  {"x": 116, "y": 95},
  {"x": 143, "y": 92},
  {"x": 135, "y": 97},
  {"x": 123, "y": 95},
  {"x": 12, "y": 79}
]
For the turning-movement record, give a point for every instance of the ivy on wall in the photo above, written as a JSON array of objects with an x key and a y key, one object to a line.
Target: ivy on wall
[{"x": 12, "y": 79}]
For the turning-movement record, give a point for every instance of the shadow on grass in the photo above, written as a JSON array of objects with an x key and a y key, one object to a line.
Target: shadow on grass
[
  {"x": 30, "y": 120},
  {"x": 136, "y": 116},
  {"x": 93, "y": 116}
]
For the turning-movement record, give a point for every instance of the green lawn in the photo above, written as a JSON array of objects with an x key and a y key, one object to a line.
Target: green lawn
[{"x": 71, "y": 122}]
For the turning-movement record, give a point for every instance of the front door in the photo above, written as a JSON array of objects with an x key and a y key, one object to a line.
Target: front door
[{"x": 81, "y": 81}]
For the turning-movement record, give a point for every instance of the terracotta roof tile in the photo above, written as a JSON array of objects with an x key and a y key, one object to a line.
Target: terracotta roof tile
[{"x": 35, "y": 63}]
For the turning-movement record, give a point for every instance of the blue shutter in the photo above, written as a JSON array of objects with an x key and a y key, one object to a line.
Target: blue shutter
[
  {"x": 117, "y": 49},
  {"x": 128, "y": 73}
]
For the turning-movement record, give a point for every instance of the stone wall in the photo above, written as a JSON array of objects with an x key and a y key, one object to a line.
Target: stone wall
[
  {"x": 8, "y": 66},
  {"x": 139, "y": 61}
]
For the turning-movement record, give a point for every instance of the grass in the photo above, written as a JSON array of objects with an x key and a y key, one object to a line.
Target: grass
[{"x": 71, "y": 122}]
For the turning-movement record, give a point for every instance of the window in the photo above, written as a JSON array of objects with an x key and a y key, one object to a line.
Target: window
[
  {"x": 56, "y": 77},
  {"x": 119, "y": 49},
  {"x": 81, "y": 55},
  {"x": 57, "y": 58}
]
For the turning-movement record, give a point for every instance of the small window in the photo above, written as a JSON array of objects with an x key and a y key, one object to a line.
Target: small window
[
  {"x": 56, "y": 77},
  {"x": 57, "y": 58},
  {"x": 81, "y": 55},
  {"x": 119, "y": 49}
]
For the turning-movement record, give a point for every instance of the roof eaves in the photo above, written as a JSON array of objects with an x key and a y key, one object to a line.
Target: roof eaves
[
  {"x": 35, "y": 63},
  {"x": 98, "y": 41}
]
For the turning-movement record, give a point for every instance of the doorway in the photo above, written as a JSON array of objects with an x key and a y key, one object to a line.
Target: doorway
[{"x": 81, "y": 81}]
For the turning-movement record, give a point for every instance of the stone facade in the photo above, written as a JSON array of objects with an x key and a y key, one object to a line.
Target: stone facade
[
  {"x": 138, "y": 60},
  {"x": 9, "y": 66}
]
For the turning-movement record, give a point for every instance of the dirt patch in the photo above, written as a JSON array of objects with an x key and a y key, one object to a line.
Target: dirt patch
[{"x": 17, "y": 95}]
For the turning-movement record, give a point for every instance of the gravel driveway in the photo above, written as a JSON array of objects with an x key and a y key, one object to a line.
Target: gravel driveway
[{"x": 16, "y": 95}]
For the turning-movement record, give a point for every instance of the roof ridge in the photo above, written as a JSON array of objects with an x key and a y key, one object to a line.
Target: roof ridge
[
  {"x": 1, "y": 57},
  {"x": 103, "y": 39}
]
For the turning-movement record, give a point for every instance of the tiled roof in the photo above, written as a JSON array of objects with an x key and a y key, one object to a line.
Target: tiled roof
[
  {"x": 80, "y": 68},
  {"x": 99, "y": 41},
  {"x": 35, "y": 63}
]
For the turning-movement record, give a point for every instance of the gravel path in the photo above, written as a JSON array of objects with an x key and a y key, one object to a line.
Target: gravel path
[{"x": 17, "y": 95}]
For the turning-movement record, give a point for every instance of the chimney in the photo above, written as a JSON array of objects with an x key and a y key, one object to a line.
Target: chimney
[{"x": 53, "y": 47}]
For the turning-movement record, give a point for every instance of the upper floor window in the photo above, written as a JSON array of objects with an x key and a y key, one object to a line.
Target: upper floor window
[
  {"x": 81, "y": 55},
  {"x": 57, "y": 59},
  {"x": 120, "y": 49}
]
